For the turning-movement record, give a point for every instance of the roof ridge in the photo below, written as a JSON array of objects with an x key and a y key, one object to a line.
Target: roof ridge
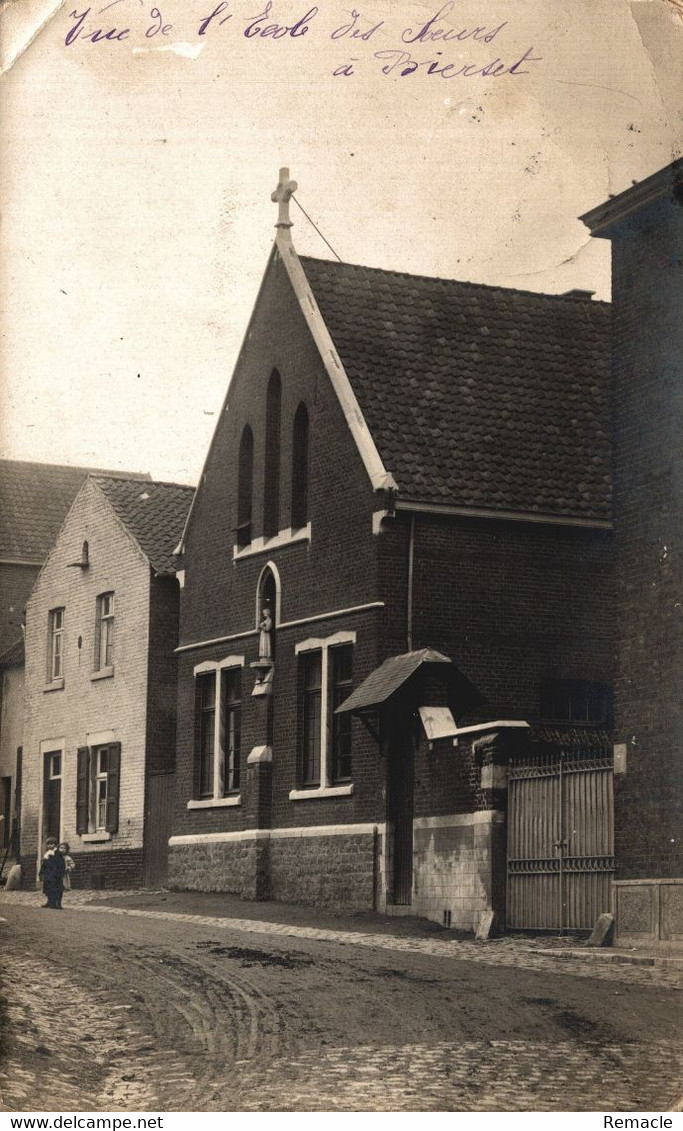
[
  {"x": 570, "y": 297},
  {"x": 86, "y": 469},
  {"x": 144, "y": 482}
]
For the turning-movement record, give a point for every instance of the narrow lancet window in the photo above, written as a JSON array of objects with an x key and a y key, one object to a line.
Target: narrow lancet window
[
  {"x": 245, "y": 476},
  {"x": 300, "y": 468},
  {"x": 271, "y": 490}
]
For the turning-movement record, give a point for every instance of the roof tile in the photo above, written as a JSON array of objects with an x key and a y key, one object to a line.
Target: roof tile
[{"x": 462, "y": 385}]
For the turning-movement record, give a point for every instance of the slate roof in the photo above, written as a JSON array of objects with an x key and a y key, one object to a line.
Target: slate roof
[
  {"x": 34, "y": 500},
  {"x": 154, "y": 513},
  {"x": 395, "y": 672},
  {"x": 476, "y": 396},
  {"x": 388, "y": 677}
]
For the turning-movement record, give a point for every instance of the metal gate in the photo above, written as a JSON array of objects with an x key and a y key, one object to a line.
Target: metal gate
[{"x": 560, "y": 840}]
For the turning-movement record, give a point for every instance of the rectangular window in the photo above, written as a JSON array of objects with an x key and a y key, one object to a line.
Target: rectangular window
[
  {"x": 102, "y": 787},
  {"x": 97, "y": 788},
  {"x": 576, "y": 701},
  {"x": 231, "y": 699},
  {"x": 206, "y": 693},
  {"x": 311, "y": 710},
  {"x": 218, "y": 728},
  {"x": 325, "y": 744},
  {"x": 104, "y": 632},
  {"x": 341, "y": 682},
  {"x": 55, "y": 661}
]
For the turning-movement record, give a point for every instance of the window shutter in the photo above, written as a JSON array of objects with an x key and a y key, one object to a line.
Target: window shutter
[
  {"x": 82, "y": 789},
  {"x": 113, "y": 783}
]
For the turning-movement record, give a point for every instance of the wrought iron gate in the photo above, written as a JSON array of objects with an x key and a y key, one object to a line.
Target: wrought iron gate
[{"x": 560, "y": 840}]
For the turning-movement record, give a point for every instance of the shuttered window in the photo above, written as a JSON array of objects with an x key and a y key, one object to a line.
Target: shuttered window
[{"x": 98, "y": 776}]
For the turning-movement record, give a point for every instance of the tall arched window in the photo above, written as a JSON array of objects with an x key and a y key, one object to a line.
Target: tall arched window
[
  {"x": 271, "y": 485},
  {"x": 245, "y": 475},
  {"x": 300, "y": 468}
]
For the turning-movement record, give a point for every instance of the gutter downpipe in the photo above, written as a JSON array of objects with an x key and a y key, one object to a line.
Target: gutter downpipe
[{"x": 409, "y": 610}]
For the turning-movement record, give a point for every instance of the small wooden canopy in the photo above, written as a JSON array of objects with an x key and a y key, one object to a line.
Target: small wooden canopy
[{"x": 380, "y": 687}]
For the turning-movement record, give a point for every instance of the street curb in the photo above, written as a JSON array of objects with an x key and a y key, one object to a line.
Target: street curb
[{"x": 615, "y": 957}]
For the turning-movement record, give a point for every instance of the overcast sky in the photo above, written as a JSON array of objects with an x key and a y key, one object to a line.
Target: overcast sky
[{"x": 137, "y": 212}]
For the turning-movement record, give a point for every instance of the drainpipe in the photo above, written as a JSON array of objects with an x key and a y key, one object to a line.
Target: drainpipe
[{"x": 411, "y": 557}]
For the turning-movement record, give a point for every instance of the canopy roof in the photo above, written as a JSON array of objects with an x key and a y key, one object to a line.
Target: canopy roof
[{"x": 386, "y": 680}]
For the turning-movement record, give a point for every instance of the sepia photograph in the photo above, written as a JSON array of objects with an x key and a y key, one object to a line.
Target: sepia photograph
[{"x": 341, "y": 559}]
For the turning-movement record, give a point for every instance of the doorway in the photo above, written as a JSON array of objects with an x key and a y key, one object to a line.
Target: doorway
[{"x": 400, "y": 812}]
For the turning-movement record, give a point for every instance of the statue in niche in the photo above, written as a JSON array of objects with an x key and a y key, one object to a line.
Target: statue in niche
[{"x": 265, "y": 640}]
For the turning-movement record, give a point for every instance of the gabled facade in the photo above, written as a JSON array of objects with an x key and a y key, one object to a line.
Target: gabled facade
[
  {"x": 99, "y": 737},
  {"x": 645, "y": 227},
  {"x": 34, "y": 501},
  {"x": 411, "y": 472}
]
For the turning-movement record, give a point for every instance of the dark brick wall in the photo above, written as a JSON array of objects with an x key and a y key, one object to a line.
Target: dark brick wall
[
  {"x": 16, "y": 583},
  {"x": 648, "y": 423},
  {"x": 512, "y": 603},
  {"x": 120, "y": 869},
  {"x": 164, "y": 607}
]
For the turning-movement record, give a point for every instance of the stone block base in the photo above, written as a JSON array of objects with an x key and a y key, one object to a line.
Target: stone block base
[
  {"x": 335, "y": 871},
  {"x": 649, "y": 913},
  {"x": 325, "y": 871}
]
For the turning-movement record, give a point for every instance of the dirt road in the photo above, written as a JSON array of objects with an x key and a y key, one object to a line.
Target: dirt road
[{"x": 111, "y": 1009}]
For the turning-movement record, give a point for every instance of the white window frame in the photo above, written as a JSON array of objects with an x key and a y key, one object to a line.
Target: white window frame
[
  {"x": 56, "y": 646},
  {"x": 98, "y": 775},
  {"x": 218, "y": 800},
  {"x": 325, "y": 789},
  {"x": 104, "y": 634}
]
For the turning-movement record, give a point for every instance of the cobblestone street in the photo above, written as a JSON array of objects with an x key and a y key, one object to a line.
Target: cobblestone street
[{"x": 113, "y": 1007}]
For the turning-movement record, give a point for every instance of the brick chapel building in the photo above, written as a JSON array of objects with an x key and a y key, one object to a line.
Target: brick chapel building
[
  {"x": 100, "y": 679},
  {"x": 395, "y": 658}
]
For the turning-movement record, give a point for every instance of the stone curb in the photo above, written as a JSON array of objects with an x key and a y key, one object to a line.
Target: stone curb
[{"x": 615, "y": 957}]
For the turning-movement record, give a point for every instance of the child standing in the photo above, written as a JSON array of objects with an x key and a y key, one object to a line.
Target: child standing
[{"x": 69, "y": 866}]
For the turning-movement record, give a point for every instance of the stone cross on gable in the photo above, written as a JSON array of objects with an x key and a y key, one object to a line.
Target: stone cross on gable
[{"x": 282, "y": 196}]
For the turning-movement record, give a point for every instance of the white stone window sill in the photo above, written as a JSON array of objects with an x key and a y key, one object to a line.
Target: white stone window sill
[
  {"x": 55, "y": 684},
  {"x": 324, "y": 791},
  {"x": 96, "y": 838},
  {"x": 265, "y": 545},
  {"x": 103, "y": 673},
  {"x": 216, "y": 802}
]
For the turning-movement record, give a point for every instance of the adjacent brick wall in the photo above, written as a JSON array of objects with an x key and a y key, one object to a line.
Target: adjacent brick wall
[
  {"x": 117, "y": 869},
  {"x": 648, "y": 420},
  {"x": 164, "y": 609}
]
